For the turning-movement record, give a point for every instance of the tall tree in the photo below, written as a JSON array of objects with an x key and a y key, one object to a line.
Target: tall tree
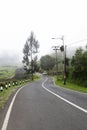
[
  {"x": 30, "y": 49},
  {"x": 79, "y": 66},
  {"x": 77, "y": 63},
  {"x": 26, "y": 56}
]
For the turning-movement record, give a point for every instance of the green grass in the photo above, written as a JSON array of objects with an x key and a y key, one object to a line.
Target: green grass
[
  {"x": 36, "y": 77},
  {"x": 5, "y": 94},
  {"x": 7, "y": 71},
  {"x": 69, "y": 85}
]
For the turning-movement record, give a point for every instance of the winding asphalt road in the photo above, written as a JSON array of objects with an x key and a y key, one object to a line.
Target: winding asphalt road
[{"x": 43, "y": 106}]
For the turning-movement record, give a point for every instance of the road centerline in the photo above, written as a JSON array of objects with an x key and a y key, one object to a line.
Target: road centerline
[{"x": 74, "y": 105}]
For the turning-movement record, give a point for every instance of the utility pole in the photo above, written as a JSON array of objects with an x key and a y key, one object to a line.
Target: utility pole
[
  {"x": 56, "y": 48},
  {"x": 63, "y": 49},
  {"x": 64, "y": 65}
]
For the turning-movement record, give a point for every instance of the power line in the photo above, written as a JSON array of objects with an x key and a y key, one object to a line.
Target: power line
[{"x": 77, "y": 42}]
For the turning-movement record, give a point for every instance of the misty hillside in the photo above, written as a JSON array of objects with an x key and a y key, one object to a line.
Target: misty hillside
[{"x": 10, "y": 60}]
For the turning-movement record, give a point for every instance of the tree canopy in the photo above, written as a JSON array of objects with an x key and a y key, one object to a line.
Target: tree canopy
[
  {"x": 79, "y": 65},
  {"x": 47, "y": 62}
]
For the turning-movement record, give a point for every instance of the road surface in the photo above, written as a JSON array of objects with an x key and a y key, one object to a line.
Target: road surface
[{"x": 43, "y": 106}]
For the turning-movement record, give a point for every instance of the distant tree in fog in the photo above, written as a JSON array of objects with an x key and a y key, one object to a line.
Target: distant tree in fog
[{"x": 47, "y": 62}]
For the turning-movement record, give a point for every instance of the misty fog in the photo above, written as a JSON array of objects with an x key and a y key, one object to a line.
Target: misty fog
[{"x": 9, "y": 58}]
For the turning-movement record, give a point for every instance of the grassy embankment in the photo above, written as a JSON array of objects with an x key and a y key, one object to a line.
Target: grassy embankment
[
  {"x": 70, "y": 85},
  {"x": 7, "y": 71},
  {"x": 5, "y": 94}
]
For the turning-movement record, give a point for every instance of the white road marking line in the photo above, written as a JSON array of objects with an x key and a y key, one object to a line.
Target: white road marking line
[
  {"x": 76, "y": 106},
  {"x": 69, "y": 89},
  {"x": 5, "y": 123}
]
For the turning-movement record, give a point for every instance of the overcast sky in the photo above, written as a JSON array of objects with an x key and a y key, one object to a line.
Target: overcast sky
[{"x": 47, "y": 18}]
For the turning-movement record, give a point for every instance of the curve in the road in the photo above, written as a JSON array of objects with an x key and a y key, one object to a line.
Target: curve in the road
[
  {"x": 6, "y": 120},
  {"x": 76, "y": 106}
]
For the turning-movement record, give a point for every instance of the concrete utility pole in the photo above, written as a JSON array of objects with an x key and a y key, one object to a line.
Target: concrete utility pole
[{"x": 56, "y": 48}]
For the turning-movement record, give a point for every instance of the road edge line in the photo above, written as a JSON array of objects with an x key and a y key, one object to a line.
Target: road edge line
[
  {"x": 79, "y": 92},
  {"x": 76, "y": 106},
  {"x": 5, "y": 122}
]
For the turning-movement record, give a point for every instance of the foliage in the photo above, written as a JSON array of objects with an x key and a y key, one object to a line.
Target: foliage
[
  {"x": 35, "y": 64},
  {"x": 47, "y": 62},
  {"x": 79, "y": 67},
  {"x": 30, "y": 49},
  {"x": 7, "y": 72}
]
